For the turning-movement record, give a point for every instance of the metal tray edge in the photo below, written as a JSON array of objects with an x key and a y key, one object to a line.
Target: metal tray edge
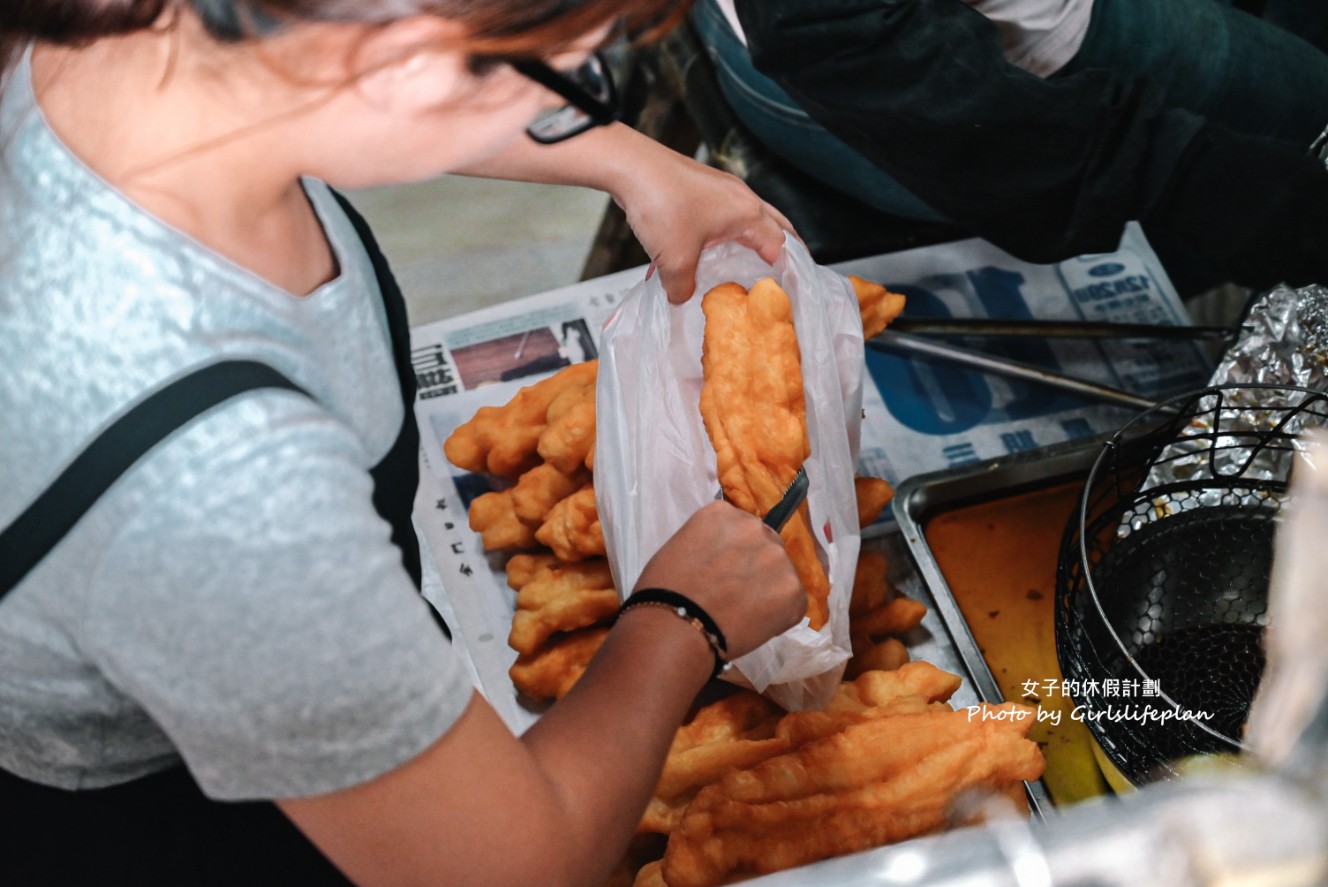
[{"x": 918, "y": 497}]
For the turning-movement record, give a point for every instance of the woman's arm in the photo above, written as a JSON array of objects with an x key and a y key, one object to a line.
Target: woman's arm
[
  {"x": 558, "y": 805},
  {"x": 676, "y": 206},
  {"x": 555, "y": 807}
]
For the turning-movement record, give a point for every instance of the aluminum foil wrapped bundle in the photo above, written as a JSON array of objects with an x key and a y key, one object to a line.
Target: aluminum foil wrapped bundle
[
  {"x": 1283, "y": 341},
  {"x": 1282, "y": 347}
]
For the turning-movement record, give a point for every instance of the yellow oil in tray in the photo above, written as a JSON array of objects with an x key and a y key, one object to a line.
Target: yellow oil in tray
[{"x": 999, "y": 560}]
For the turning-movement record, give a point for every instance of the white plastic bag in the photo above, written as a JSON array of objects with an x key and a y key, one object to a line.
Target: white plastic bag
[{"x": 654, "y": 465}]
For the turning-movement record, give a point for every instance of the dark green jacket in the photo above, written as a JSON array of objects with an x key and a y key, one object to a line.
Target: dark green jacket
[{"x": 1044, "y": 168}]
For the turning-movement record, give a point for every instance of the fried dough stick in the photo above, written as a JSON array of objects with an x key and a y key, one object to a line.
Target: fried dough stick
[
  {"x": 570, "y": 436},
  {"x": 521, "y": 568},
  {"x": 870, "y": 751},
  {"x": 871, "y": 587},
  {"x": 541, "y": 488},
  {"x": 554, "y": 668},
  {"x": 744, "y": 729},
  {"x": 755, "y": 413},
  {"x": 872, "y": 689},
  {"x": 868, "y": 655},
  {"x": 876, "y": 609},
  {"x": 873, "y": 783},
  {"x": 873, "y": 494},
  {"x": 493, "y": 516},
  {"x": 732, "y": 717},
  {"x": 899, "y": 616},
  {"x": 877, "y": 305},
  {"x": 726, "y": 733},
  {"x": 650, "y": 876},
  {"x": 572, "y": 528},
  {"x": 689, "y": 772},
  {"x": 503, "y": 440},
  {"x": 562, "y": 597}
]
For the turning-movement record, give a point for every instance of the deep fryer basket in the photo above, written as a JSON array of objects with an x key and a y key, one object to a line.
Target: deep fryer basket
[{"x": 1163, "y": 574}]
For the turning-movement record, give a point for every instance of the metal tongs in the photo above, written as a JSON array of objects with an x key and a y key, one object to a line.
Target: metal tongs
[
  {"x": 911, "y": 336},
  {"x": 777, "y": 516},
  {"x": 1057, "y": 329}
]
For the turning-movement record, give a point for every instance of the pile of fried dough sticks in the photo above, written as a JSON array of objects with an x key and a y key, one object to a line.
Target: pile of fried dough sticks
[{"x": 747, "y": 788}]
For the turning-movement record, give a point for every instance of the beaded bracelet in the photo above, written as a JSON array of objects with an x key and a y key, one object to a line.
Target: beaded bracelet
[{"x": 689, "y": 611}]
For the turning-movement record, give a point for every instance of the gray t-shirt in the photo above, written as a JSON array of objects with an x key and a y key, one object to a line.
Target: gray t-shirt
[{"x": 235, "y": 599}]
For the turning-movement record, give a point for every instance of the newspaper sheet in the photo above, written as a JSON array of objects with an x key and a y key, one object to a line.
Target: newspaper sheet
[{"x": 919, "y": 417}]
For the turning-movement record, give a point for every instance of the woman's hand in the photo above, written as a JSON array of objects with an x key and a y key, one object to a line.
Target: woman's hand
[
  {"x": 558, "y": 805},
  {"x": 676, "y": 206},
  {"x": 736, "y": 569}
]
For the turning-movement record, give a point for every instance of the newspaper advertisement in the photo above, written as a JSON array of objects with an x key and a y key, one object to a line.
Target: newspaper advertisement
[
  {"x": 918, "y": 416},
  {"x": 926, "y": 416}
]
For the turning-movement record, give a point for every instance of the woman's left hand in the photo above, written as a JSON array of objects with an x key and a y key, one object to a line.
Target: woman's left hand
[{"x": 678, "y": 207}]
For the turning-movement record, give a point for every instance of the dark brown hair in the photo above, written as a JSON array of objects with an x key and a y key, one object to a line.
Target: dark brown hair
[{"x": 496, "y": 27}]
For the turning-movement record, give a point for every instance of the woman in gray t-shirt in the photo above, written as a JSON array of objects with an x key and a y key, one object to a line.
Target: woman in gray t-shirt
[{"x": 236, "y": 601}]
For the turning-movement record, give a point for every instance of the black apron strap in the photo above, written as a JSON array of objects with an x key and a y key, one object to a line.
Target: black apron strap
[
  {"x": 45, "y": 522},
  {"x": 161, "y": 829},
  {"x": 25, "y": 542},
  {"x": 155, "y": 831},
  {"x": 397, "y": 476}
]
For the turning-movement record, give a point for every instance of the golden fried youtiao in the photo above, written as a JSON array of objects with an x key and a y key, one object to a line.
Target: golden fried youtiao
[
  {"x": 873, "y": 494},
  {"x": 650, "y": 875},
  {"x": 554, "y": 668},
  {"x": 734, "y": 716},
  {"x": 900, "y": 616},
  {"x": 873, "y": 689},
  {"x": 572, "y": 528},
  {"x": 876, "y": 609},
  {"x": 877, "y": 305},
  {"x": 688, "y": 772},
  {"x": 871, "y": 588},
  {"x": 569, "y": 437},
  {"x": 752, "y": 400},
  {"x": 521, "y": 568},
  {"x": 690, "y": 767},
  {"x": 721, "y": 735},
  {"x": 493, "y": 517},
  {"x": 755, "y": 413},
  {"x": 503, "y": 440},
  {"x": 560, "y": 598},
  {"x": 869, "y": 655},
  {"x": 541, "y": 488},
  {"x": 874, "y": 782},
  {"x": 742, "y": 730}
]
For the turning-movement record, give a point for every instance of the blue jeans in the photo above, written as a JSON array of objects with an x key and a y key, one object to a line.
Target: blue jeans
[
  {"x": 1223, "y": 64},
  {"x": 1220, "y": 63}
]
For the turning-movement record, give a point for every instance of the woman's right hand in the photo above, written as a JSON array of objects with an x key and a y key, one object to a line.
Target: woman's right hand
[
  {"x": 736, "y": 569},
  {"x": 558, "y": 805}
]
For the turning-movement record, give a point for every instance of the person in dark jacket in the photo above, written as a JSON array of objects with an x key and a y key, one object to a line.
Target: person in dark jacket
[{"x": 1044, "y": 126}]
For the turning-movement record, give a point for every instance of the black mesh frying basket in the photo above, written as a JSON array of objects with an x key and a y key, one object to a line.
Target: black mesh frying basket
[{"x": 1162, "y": 582}]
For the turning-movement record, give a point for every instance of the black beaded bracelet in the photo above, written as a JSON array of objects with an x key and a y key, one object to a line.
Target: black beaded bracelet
[{"x": 687, "y": 609}]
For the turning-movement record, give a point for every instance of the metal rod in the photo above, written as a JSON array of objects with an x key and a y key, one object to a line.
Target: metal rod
[
  {"x": 521, "y": 347},
  {"x": 893, "y": 341},
  {"x": 1067, "y": 329}
]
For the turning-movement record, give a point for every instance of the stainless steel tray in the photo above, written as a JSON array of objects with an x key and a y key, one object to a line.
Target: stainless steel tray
[{"x": 921, "y": 497}]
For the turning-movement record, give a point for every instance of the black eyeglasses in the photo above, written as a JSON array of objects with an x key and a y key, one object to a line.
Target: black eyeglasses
[{"x": 592, "y": 100}]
